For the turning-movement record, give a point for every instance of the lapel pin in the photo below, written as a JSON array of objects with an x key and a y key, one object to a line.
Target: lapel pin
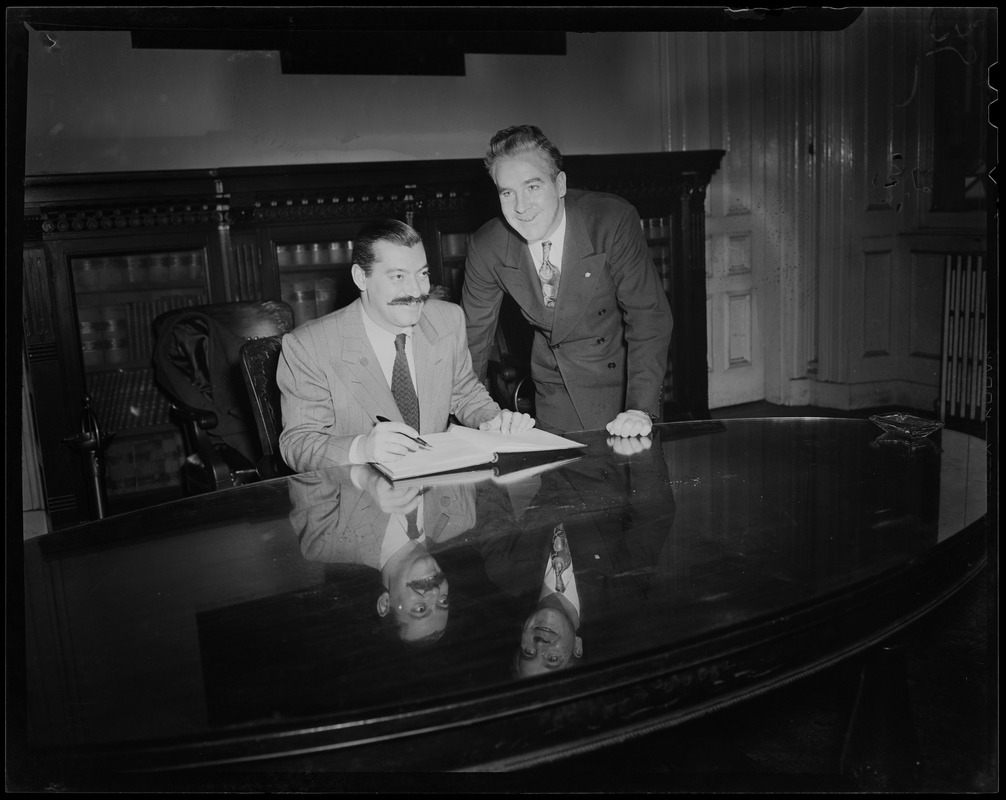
[{"x": 586, "y": 274}]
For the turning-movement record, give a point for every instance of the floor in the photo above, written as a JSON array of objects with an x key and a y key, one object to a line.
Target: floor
[{"x": 791, "y": 740}]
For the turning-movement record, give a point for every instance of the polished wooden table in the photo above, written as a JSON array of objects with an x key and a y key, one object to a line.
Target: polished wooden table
[{"x": 715, "y": 561}]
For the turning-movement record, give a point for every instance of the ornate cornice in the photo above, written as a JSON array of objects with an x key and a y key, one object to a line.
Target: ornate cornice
[
  {"x": 87, "y": 219},
  {"x": 353, "y": 203},
  {"x": 317, "y": 207}
]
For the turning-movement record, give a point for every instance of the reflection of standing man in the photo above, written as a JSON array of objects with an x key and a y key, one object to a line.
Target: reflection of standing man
[
  {"x": 607, "y": 557},
  {"x": 549, "y": 639},
  {"x": 579, "y": 268}
]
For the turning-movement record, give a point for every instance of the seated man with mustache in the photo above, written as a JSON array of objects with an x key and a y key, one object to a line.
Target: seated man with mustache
[{"x": 340, "y": 375}]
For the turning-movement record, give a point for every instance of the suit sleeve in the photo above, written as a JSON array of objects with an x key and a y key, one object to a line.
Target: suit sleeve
[
  {"x": 333, "y": 518},
  {"x": 307, "y": 441},
  {"x": 481, "y": 296},
  {"x": 645, "y": 312}
]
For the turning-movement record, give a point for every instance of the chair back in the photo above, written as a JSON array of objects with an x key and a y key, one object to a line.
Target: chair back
[
  {"x": 197, "y": 363},
  {"x": 259, "y": 359},
  {"x": 508, "y": 372}
]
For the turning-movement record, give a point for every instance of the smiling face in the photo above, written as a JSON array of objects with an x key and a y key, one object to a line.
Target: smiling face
[
  {"x": 531, "y": 200},
  {"x": 548, "y": 642},
  {"x": 398, "y": 285}
]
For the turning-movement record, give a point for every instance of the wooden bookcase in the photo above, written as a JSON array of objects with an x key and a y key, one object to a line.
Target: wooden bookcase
[{"x": 103, "y": 254}]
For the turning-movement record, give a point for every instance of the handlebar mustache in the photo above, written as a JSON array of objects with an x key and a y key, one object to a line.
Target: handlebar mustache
[
  {"x": 408, "y": 301},
  {"x": 425, "y": 584}
]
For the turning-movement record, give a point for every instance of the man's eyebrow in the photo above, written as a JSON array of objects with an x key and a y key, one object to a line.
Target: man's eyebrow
[{"x": 535, "y": 179}]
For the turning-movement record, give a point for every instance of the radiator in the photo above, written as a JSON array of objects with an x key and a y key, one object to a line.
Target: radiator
[{"x": 962, "y": 384}]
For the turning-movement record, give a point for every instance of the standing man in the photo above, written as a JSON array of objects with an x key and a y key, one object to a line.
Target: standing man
[
  {"x": 392, "y": 354},
  {"x": 577, "y": 264}
]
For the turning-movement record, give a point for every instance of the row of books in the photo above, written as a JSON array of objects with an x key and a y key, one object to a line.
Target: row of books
[
  {"x": 143, "y": 463},
  {"x": 115, "y": 334},
  {"x": 127, "y": 399},
  {"x": 655, "y": 227},
  {"x": 247, "y": 273},
  {"x": 661, "y": 255}
]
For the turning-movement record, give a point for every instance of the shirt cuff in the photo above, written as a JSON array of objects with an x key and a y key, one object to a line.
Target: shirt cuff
[{"x": 356, "y": 451}]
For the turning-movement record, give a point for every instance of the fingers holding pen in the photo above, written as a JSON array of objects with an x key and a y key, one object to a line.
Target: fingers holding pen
[{"x": 389, "y": 441}]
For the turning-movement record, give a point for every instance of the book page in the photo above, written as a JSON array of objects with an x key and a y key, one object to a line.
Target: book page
[
  {"x": 525, "y": 442},
  {"x": 447, "y": 452}
]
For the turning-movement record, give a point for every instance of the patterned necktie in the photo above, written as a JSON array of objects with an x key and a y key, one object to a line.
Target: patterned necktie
[
  {"x": 561, "y": 559},
  {"x": 401, "y": 385},
  {"x": 549, "y": 276},
  {"x": 412, "y": 528},
  {"x": 408, "y": 405}
]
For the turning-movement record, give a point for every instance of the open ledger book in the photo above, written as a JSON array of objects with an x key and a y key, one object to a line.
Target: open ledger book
[{"x": 463, "y": 448}]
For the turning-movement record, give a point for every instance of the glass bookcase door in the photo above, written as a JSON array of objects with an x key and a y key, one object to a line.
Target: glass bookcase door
[
  {"x": 453, "y": 251},
  {"x": 315, "y": 277},
  {"x": 118, "y": 296}
]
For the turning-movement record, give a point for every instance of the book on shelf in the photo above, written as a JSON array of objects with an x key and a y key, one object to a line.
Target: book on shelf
[{"x": 460, "y": 448}]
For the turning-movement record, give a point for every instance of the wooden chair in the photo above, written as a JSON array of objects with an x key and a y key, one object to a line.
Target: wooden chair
[
  {"x": 508, "y": 374},
  {"x": 196, "y": 362},
  {"x": 259, "y": 359}
]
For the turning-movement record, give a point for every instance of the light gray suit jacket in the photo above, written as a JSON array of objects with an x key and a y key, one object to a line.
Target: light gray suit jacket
[
  {"x": 337, "y": 522},
  {"x": 332, "y": 387}
]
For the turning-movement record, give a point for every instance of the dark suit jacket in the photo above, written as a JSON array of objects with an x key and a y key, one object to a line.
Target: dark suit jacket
[
  {"x": 332, "y": 387},
  {"x": 608, "y": 336},
  {"x": 616, "y": 549}
]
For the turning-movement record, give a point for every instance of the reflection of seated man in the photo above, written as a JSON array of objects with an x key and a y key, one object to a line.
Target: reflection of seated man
[
  {"x": 353, "y": 515},
  {"x": 393, "y": 353}
]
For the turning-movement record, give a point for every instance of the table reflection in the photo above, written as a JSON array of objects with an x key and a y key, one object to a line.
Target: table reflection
[
  {"x": 603, "y": 521},
  {"x": 305, "y": 598},
  {"x": 355, "y": 516}
]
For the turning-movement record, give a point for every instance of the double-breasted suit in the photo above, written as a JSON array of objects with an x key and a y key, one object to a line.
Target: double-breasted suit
[
  {"x": 333, "y": 389},
  {"x": 603, "y": 348}
]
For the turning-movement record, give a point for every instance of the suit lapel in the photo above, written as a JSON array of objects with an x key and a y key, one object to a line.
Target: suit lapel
[
  {"x": 581, "y": 269},
  {"x": 434, "y": 387},
  {"x": 520, "y": 279},
  {"x": 365, "y": 379},
  {"x": 578, "y": 279}
]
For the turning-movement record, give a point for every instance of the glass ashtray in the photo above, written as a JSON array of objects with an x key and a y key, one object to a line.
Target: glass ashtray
[{"x": 906, "y": 426}]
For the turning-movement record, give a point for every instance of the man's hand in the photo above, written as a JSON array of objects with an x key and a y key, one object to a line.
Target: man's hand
[
  {"x": 390, "y": 499},
  {"x": 509, "y": 422},
  {"x": 630, "y": 423},
  {"x": 630, "y": 446},
  {"x": 389, "y": 441}
]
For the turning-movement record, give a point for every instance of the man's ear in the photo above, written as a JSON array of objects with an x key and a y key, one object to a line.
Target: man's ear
[
  {"x": 383, "y": 604},
  {"x": 359, "y": 277},
  {"x": 560, "y": 184},
  {"x": 577, "y": 647}
]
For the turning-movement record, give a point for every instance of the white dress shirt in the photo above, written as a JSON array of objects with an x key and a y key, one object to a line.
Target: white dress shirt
[
  {"x": 568, "y": 579},
  {"x": 555, "y": 254},
  {"x": 383, "y": 343}
]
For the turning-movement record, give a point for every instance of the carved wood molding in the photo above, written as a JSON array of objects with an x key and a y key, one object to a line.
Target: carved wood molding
[
  {"x": 87, "y": 219},
  {"x": 353, "y": 203},
  {"x": 317, "y": 208}
]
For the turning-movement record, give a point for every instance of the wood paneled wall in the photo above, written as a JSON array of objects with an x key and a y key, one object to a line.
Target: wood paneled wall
[{"x": 822, "y": 271}]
